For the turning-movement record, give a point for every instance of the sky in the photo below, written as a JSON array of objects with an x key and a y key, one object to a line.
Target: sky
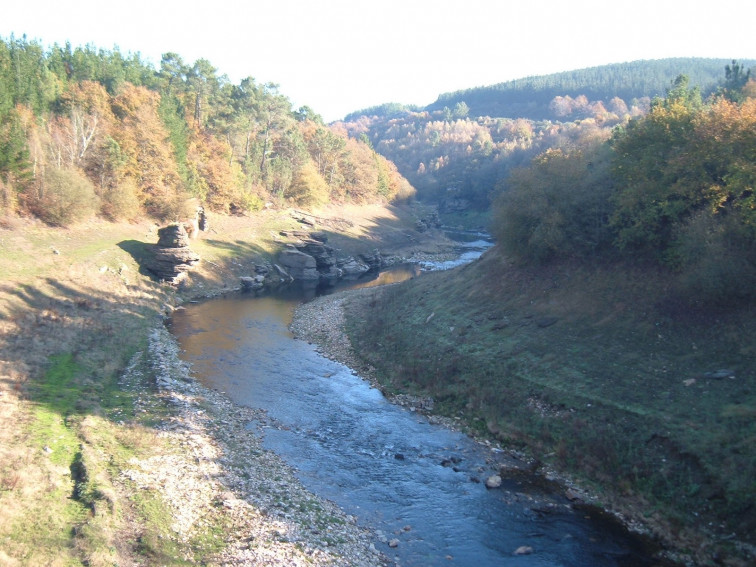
[{"x": 339, "y": 56}]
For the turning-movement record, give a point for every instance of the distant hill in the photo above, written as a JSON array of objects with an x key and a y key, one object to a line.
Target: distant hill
[{"x": 530, "y": 97}]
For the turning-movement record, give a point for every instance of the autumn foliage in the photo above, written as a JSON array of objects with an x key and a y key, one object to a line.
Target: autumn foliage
[
  {"x": 675, "y": 186},
  {"x": 87, "y": 132}
]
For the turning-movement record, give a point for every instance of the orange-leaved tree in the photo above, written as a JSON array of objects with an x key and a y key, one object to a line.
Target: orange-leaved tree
[{"x": 148, "y": 161}]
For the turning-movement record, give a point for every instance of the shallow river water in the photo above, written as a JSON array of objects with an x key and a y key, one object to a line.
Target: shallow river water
[{"x": 410, "y": 480}]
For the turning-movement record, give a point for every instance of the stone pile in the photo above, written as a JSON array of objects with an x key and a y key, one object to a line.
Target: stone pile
[{"x": 172, "y": 257}]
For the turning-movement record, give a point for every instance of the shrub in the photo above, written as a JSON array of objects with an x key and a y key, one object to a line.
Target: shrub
[
  {"x": 122, "y": 202},
  {"x": 63, "y": 197},
  {"x": 166, "y": 205},
  {"x": 716, "y": 257},
  {"x": 250, "y": 201},
  {"x": 405, "y": 192},
  {"x": 308, "y": 187},
  {"x": 557, "y": 206}
]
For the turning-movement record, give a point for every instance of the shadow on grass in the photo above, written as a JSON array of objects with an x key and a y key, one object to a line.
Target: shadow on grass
[
  {"x": 141, "y": 252},
  {"x": 74, "y": 341}
]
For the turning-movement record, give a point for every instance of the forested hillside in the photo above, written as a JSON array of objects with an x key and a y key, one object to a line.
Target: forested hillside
[
  {"x": 610, "y": 331},
  {"x": 568, "y": 94},
  {"x": 462, "y": 153},
  {"x": 87, "y": 131}
]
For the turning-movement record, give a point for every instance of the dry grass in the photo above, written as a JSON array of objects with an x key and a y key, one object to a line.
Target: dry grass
[{"x": 75, "y": 305}]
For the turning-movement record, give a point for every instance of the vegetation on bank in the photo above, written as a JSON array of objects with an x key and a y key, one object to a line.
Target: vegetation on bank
[
  {"x": 611, "y": 330},
  {"x": 83, "y": 409},
  {"x": 675, "y": 187},
  {"x": 72, "y": 313},
  {"x": 599, "y": 371}
]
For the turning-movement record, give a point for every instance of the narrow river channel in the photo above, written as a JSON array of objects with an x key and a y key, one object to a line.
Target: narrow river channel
[{"x": 413, "y": 482}]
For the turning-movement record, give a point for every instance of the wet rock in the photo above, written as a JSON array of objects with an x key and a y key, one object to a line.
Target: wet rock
[
  {"x": 298, "y": 265},
  {"x": 573, "y": 495},
  {"x": 350, "y": 267},
  {"x": 374, "y": 261},
  {"x": 493, "y": 481},
  {"x": 720, "y": 374},
  {"x": 393, "y": 543},
  {"x": 323, "y": 254},
  {"x": 523, "y": 550},
  {"x": 544, "y": 322},
  {"x": 252, "y": 283}
]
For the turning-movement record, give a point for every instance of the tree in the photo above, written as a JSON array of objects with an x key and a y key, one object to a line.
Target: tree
[
  {"x": 461, "y": 110},
  {"x": 86, "y": 119},
  {"x": 325, "y": 148},
  {"x": 173, "y": 73},
  {"x": 558, "y": 206},
  {"x": 308, "y": 188},
  {"x": 203, "y": 85},
  {"x": 142, "y": 138},
  {"x": 735, "y": 80},
  {"x": 652, "y": 171},
  {"x": 15, "y": 164}
]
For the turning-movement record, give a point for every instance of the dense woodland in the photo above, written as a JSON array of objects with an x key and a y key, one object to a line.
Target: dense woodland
[
  {"x": 668, "y": 179},
  {"x": 675, "y": 187},
  {"x": 533, "y": 97},
  {"x": 86, "y": 131}
]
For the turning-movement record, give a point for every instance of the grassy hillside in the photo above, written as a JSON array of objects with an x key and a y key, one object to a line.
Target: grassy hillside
[
  {"x": 600, "y": 372},
  {"x": 99, "y": 466}
]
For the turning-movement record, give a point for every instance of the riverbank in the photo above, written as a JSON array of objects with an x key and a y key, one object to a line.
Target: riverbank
[
  {"x": 598, "y": 372},
  {"x": 110, "y": 453},
  {"x": 323, "y": 322}
]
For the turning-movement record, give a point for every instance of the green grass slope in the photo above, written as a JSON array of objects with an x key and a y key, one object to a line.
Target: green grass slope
[{"x": 599, "y": 371}]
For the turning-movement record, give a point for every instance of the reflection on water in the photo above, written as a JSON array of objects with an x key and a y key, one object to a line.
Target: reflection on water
[{"x": 385, "y": 465}]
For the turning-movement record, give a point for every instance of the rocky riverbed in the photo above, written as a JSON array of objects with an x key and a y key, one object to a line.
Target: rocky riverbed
[
  {"x": 322, "y": 321},
  {"x": 221, "y": 469}
]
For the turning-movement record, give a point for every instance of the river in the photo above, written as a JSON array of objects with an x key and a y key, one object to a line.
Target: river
[{"x": 413, "y": 482}]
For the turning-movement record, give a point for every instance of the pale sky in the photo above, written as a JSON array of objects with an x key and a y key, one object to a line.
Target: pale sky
[{"x": 339, "y": 56}]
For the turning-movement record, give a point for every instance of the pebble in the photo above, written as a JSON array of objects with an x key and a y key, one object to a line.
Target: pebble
[
  {"x": 523, "y": 550},
  {"x": 493, "y": 481}
]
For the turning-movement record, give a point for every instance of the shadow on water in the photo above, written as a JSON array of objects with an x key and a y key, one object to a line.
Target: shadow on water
[{"x": 415, "y": 482}]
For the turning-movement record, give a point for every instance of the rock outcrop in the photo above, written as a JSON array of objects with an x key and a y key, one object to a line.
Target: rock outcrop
[
  {"x": 298, "y": 265},
  {"x": 172, "y": 257},
  {"x": 310, "y": 259},
  {"x": 266, "y": 277}
]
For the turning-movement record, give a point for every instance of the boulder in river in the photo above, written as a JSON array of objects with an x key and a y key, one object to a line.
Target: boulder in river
[
  {"x": 351, "y": 268},
  {"x": 493, "y": 481},
  {"x": 523, "y": 550},
  {"x": 374, "y": 261}
]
